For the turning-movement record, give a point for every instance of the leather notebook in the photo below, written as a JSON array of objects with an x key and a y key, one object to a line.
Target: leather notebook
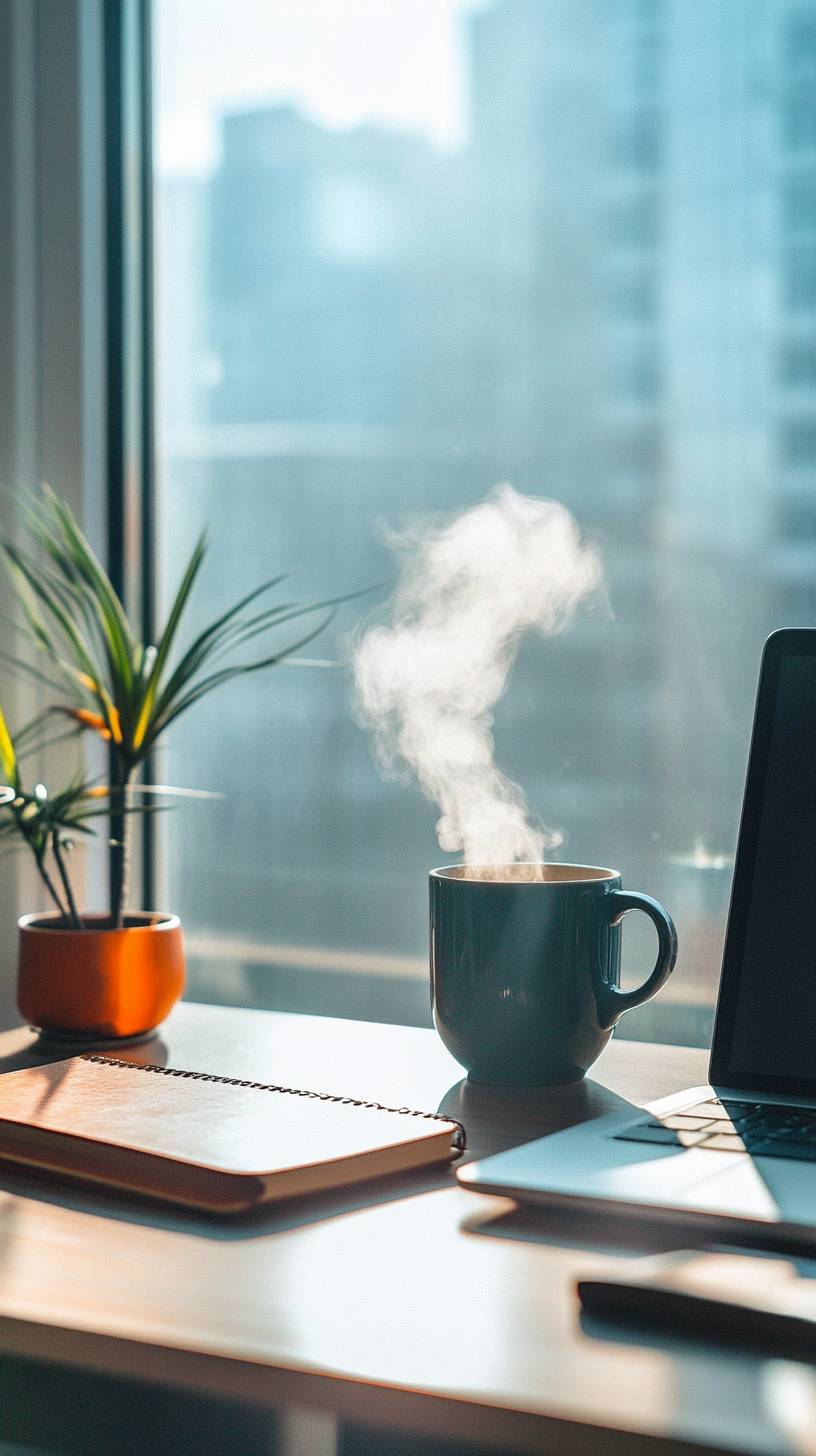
[{"x": 214, "y": 1143}]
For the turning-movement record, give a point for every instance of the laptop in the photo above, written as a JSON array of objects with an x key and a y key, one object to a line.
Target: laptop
[{"x": 737, "y": 1155}]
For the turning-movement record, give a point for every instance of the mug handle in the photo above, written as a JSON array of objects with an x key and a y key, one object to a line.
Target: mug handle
[{"x": 613, "y": 1002}]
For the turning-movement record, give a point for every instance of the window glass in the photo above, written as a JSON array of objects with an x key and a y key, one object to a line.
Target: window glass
[
  {"x": 799, "y": 203},
  {"x": 799, "y": 278},
  {"x": 797, "y": 365},
  {"x": 799, "y": 117},
  {"x": 636, "y": 142},
  {"x": 632, "y": 295},
  {"x": 407, "y": 249},
  {"x": 800, "y": 40}
]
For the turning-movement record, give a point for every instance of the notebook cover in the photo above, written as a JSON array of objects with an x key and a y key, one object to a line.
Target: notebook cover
[{"x": 216, "y": 1143}]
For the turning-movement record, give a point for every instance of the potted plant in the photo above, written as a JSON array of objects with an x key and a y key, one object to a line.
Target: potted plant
[
  {"x": 115, "y": 975},
  {"x": 77, "y": 976}
]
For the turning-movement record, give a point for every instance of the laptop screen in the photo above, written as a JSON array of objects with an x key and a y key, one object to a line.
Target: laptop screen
[{"x": 766, "y": 1020}]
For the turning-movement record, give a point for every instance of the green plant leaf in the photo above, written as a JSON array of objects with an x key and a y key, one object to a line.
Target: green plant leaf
[
  {"x": 227, "y": 674},
  {"x": 200, "y": 650},
  {"x": 117, "y": 685},
  {"x": 166, "y": 641},
  {"x": 42, "y": 744},
  {"x": 103, "y": 596},
  {"x": 75, "y": 820},
  {"x": 175, "y": 792},
  {"x": 256, "y": 626},
  {"x": 227, "y": 635},
  {"x": 27, "y": 669},
  {"x": 83, "y": 664},
  {"x": 28, "y": 731},
  {"x": 85, "y": 593}
]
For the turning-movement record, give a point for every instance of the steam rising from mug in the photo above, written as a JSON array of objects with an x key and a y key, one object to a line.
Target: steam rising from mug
[{"x": 428, "y": 680}]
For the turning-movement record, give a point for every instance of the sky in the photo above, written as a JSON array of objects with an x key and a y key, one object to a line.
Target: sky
[{"x": 400, "y": 63}]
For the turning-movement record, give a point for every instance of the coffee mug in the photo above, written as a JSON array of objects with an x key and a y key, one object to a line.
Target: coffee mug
[{"x": 525, "y": 967}]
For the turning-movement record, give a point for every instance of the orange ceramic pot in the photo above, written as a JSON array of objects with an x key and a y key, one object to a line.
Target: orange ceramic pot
[{"x": 99, "y": 982}]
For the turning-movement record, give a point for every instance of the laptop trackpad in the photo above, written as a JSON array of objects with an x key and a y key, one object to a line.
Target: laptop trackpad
[{"x": 766, "y": 1188}]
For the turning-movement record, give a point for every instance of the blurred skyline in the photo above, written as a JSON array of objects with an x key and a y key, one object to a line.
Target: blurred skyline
[
  {"x": 606, "y": 295},
  {"x": 400, "y": 64}
]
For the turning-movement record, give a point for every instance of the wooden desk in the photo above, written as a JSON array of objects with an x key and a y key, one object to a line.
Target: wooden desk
[{"x": 414, "y": 1305}]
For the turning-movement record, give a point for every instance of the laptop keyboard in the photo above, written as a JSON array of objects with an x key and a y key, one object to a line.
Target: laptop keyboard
[{"x": 760, "y": 1128}]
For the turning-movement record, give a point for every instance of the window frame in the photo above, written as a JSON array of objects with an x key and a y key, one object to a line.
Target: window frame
[{"x": 129, "y": 352}]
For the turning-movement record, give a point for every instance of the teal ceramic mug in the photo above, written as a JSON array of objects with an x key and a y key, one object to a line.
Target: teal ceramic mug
[{"x": 525, "y": 967}]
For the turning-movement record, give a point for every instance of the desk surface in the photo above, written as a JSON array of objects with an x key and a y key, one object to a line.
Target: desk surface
[{"x": 412, "y": 1303}]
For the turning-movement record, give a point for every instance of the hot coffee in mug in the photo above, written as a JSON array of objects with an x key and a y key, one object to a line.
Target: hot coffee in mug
[{"x": 525, "y": 966}]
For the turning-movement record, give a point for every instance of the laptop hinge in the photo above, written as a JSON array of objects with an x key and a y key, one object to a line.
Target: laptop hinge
[{"x": 746, "y": 1094}]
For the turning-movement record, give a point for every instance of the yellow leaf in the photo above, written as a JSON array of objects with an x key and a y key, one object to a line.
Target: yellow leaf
[
  {"x": 115, "y": 722},
  {"x": 143, "y": 721},
  {"x": 8, "y": 758}
]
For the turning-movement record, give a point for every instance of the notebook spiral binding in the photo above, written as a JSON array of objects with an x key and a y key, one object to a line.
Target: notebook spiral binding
[{"x": 459, "y": 1136}]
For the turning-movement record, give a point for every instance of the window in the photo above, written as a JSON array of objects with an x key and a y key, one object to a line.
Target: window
[
  {"x": 405, "y": 251},
  {"x": 798, "y": 442},
  {"x": 636, "y": 143},
  {"x": 634, "y": 374},
  {"x": 799, "y": 118},
  {"x": 633, "y": 222},
  {"x": 799, "y": 278},
  {"x": 797, "y": 364},
  {"x": 800, "y": 41},
  {"x": 799, "y": 204},
  {"x": 632, "y": 296}
]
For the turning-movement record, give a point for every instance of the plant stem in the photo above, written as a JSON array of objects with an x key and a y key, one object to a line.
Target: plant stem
[
  {"x": 66, "y": 881},
  {"x": 50, "y": 886},
  {"x": 121, "y": 851}
]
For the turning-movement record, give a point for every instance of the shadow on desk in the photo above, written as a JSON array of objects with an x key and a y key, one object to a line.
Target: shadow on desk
[
  {"x": 566, "y": 1228},
  {"x": 497, "y": 1118},
  {"x": 274, "y": 1219},
  {"x": 42, "y": 1052}
]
